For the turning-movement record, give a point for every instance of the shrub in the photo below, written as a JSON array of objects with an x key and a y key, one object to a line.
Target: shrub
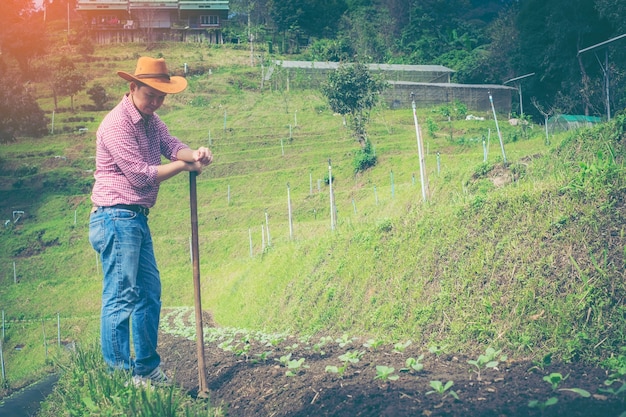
[{"x": 365, "y": 158}]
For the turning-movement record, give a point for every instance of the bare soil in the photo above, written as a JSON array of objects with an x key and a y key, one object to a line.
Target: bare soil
[{"x": 245, "y": 386}]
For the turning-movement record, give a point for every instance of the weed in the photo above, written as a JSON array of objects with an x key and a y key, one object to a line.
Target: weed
[{"x": 442, "y": 389}]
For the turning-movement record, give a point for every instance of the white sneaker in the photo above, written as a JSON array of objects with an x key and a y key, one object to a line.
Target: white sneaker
[{"x": 155, "y": 378}]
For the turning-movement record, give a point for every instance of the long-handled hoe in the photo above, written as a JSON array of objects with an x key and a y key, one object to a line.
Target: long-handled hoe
[{"x": 203, "y": 391}]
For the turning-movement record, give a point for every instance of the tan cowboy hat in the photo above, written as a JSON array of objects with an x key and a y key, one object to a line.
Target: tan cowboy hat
[{"x": 153, "y": 72}]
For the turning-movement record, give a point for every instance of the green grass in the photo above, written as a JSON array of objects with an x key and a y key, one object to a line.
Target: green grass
[{"x": 532, "y": 266}]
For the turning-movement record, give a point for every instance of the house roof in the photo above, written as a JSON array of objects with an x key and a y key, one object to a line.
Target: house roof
[
  {"x": 579, "y": 118},
  {"x": 379, "y": 67},
  {"x": 83, "y": 5},
  {"x": 455, "y": 85}
]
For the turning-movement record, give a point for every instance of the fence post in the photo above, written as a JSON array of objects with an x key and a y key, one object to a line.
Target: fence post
[
  {"x": 267, "y": 226},
  {"x": 290, "y": 214},
  {"x": 250, "y": 239},
  {"x": 45, "y": 342},
  {"x": 2, "y": 360},
  {"x": 333, "y": 220},
  {"x": 59, "y": 330}
]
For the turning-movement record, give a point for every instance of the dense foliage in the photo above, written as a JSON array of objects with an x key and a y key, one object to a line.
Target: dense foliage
[
  {"x": 484, "y": 41},
  {"x": 21, "y": 115}
]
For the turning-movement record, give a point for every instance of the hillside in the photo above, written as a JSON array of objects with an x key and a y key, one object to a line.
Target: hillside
[{"x": 527, "y": 257}]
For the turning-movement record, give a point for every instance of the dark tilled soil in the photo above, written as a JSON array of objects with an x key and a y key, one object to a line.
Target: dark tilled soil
[{"x": 246, "y": 386}]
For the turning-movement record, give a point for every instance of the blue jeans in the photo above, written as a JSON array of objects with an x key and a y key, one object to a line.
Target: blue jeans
[{"x": 131, "y": 290}]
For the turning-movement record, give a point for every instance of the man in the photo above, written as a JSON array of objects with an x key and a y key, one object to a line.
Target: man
[{"x": 129, "y": 144}]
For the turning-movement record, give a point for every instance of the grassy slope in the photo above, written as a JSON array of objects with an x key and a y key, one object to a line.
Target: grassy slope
[{"x": 534, "y": 266}]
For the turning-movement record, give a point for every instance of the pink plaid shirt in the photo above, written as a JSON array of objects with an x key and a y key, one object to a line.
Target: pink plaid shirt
[{"x": 128, "y": 151}]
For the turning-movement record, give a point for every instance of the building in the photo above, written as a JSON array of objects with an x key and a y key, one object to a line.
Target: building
[
  {"x": 110, "y": 21},
  {"x": 428, "y": 85},
  {"x": 563, "y": 122}
]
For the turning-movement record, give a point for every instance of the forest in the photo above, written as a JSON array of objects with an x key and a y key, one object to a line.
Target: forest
[{"x": 566, "y": 56}]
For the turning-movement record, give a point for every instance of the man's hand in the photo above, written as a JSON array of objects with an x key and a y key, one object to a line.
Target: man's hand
[{"x": 203, "y": 156}]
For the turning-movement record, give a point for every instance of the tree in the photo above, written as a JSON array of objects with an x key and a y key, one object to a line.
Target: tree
[
  {"x": 98, "y": 95},
  {"x": 21, "y": 115},
  {"x": 550, "y": 34},
  {"x": 17, "y": 37},
  {"x": 367, "y": 29},
  {"x": 67, "y": 80},
  {"x": 351, "y": 90}
]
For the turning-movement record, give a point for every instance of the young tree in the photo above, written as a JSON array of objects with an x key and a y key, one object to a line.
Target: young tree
[
  {"x": 353, "y": 91},
  {"x": 67, "y": 80}
]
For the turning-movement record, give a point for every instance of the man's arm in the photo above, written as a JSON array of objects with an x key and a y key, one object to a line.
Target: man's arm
[{"x": 187, "y": 160}]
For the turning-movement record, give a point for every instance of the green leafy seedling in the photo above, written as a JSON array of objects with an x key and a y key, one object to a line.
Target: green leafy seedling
[
  {"x": 489, "y": 360},
  {"x": 294, "y": 366},
  {"x": 344, "y": 341},
  {"x": 284, "y": 360},
  {"x": 262, "y": 357},
  {"x": 373, "y": 344},
  {"x": 385, "y": 373},
  {"x": 339, "y": 370},
  {"x": 414, "y": 364},
  {"x": 541, "y": 365},
  {"x": 437, "y": 350},
  {"x": 443, "y": 389},
  {"x": 542, "y": 405},
  {"x": 401, "y": 347},
  {"x": 619, "y": 392},
  {"x": 555, "y": 379},
  {"x": 318, "y": 347},
  {"x": 583, "y": 393},
  {"x": 353, "y": 356},
  {"x": 347, "y": 358}
]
